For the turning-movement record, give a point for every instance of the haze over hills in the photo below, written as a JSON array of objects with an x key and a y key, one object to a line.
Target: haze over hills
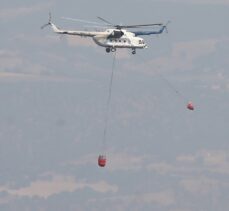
[{"x": 53, "y": 94}]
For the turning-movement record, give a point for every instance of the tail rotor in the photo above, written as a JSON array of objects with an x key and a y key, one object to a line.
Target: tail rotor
[
  {"x": 49, "y": 22},
  {"x": 166, "y": 29}
]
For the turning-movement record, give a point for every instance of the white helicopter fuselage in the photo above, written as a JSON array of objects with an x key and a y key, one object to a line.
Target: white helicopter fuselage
[
  {"x": 127, "y": 40},
  {"x": 113, "y": 38}
]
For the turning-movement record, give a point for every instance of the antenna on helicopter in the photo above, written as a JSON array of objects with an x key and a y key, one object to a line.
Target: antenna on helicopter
[{"x": 49, "y": 23}]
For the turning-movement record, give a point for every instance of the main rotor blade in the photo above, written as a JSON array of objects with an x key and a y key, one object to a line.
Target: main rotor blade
[
  {"x": 102, "y": 19},
  {"x": 98, "y": 27},
  {"x": 139, "y": 25},
  {"x": 80, "y": 20}
]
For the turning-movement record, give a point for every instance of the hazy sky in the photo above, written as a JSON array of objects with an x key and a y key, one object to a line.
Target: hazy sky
[{"x": 53, "y": 92}]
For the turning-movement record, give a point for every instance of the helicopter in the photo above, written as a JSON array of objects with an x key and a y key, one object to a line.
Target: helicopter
[{"x": 114, "y": 36}]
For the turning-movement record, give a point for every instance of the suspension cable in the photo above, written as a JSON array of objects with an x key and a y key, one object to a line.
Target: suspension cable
[
  {"x": 108, "y": 102},
  {"x": 169, "y": 84}
]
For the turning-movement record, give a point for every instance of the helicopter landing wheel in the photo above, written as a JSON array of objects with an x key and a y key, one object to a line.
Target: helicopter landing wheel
[
  {"x": 113, "y": 49},
  {"x": 133, "y": 51},
  {"x": 108, "y": 50}
]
